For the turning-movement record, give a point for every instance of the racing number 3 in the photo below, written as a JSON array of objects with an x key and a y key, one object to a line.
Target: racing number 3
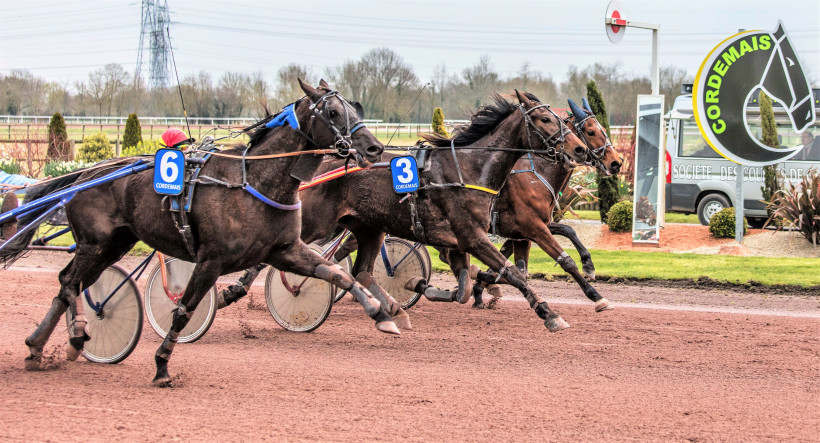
[{"x": 406, "y": 169}]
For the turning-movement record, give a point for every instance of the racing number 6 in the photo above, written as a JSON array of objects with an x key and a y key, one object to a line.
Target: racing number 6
[
  {"x": 404, "y": 164},
  {"x": 168, "y": 169}
]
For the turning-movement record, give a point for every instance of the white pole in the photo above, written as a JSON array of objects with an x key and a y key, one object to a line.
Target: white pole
[
  {"x": 739, "y": 205},
  {"x": 656, "y": 74}
]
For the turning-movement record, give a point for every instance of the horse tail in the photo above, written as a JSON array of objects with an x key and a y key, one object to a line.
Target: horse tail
[{"x": 12, "y": 251}]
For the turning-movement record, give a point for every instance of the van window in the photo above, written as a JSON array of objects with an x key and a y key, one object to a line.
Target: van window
[{"x": 692, "y": 144}]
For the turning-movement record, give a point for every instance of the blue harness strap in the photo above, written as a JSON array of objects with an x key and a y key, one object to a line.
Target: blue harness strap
[
  {"x": 270, "y": 202},
  {"x": 538, "y": 176}
]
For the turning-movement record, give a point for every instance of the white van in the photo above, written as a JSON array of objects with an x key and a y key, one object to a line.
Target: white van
[{"x": 699, "y": 180}]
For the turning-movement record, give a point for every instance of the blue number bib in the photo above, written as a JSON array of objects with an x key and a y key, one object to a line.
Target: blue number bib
[
  {"x": 405, "y": 174},
  {"x": 169, "y": 165}
]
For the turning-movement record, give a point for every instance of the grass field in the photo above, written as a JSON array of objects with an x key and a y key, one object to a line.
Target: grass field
[
  {"x": 670, "y": 266},
  {"x": 654, "y": 265}
]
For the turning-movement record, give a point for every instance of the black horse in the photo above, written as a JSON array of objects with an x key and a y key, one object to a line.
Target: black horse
[{"x": 248, "y": 213}]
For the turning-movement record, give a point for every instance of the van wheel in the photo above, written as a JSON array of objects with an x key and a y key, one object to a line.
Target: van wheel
[
  {"x": 756, "y": 222},
  {"x": 711, "y": 205}
]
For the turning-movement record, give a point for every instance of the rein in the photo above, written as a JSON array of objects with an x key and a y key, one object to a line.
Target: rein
[{"x": 550, "y": 141}]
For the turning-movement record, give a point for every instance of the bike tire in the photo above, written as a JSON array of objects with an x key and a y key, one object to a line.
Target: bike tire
[
  {"x": 160, "y": 309},
  {"x": 302, "y": 312},
  {"x": 410, "y": 264},
  {"x": 116, "y": 332}
]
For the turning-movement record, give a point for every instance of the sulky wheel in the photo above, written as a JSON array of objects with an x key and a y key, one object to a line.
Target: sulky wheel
[
  {"x": 115, "y": 330},
  {"x": 159, "y": 306},
  {"x": 297, "y": 303},
  {"x": 407, "y": 262}
]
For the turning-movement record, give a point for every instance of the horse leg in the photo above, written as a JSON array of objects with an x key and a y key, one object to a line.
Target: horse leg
[
  {"x": 548, "y": 243},
  {"x": 487, "y": 253},
  {"x": 83, "y": 270},
  {"x": 346, "y": 248},
  {"x": 203, "y": 277},
  {"x": 460, "y": 265},
  {"x": 300, "y": 259},
  {"x": 236, "y": 291},
  {"x": 369, "y": 247},
  {"x": 586, "y": 259}
]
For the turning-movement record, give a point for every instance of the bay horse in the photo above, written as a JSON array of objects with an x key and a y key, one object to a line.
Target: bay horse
[
  {"x": 525, "y": 205},
  {"x": 249, "y": 213},
  {"x": 451, "y": 209}
]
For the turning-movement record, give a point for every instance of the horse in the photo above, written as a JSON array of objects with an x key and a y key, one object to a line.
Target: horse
[
  {"x": 525, "y": 205},
  {"x": 459, "y": 180},
  {"x": 261, "y": 222}
]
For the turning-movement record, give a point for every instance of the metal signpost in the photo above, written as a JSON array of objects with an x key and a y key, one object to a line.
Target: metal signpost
[{"x": 648, "y": 190}]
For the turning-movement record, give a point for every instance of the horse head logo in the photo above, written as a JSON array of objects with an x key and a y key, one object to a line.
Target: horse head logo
[{"x": 731, "y": 73}]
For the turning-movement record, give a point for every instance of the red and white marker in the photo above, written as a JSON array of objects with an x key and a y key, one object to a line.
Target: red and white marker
[{"x": 614, "y": 22}]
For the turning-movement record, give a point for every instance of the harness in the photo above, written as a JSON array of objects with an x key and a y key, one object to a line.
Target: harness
[
  {"x": 550, "y": 141},
  {"x": 196, "y": 159}
]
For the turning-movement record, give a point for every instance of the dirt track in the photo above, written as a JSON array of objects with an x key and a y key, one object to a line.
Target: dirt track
[{"x": 634, "y": 373}]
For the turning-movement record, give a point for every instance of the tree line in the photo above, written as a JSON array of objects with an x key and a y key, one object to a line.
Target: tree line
[{"x": 380, "y": 80}]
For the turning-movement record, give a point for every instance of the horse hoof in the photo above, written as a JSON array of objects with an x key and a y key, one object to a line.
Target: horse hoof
[
  {"x": 163, "y": 382},
  {"x": 388, "y": 327},
  {"x": 402, "y": 320},
  {"x": 556, "y": 324},
  {"x": 590, "y": 276},
  {"x": 416, "y": 284},
  {"x": 32, "y": 363},
  {"x": 220, "y": 300},
  {"x": 602, "y": 305},
  {"x": 71, "y": 353}
]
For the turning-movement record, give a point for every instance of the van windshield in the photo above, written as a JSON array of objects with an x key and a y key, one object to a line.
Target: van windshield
[{"x": 692, "y": 144}]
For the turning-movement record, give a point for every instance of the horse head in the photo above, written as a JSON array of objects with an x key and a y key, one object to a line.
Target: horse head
[
  {"x": 784, "y": 80},
  {"x": 544, "y": 125},
  {"x": 340, "y": 126},
  {"x": 601, "y": 153}
]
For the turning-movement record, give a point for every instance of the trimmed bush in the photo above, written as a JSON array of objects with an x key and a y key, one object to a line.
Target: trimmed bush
[
  {"x": 95, "y": 148},
  {"x": 58, "y": 168},
  {"x": 59, "y": 147},
  {"x": 619, "y": 217},
  {"x": 133, "y": 132},
  {"x": 438, "y": 122},
  {"x": 143, "y": 148},
  {"x": 722, "y": 224}
]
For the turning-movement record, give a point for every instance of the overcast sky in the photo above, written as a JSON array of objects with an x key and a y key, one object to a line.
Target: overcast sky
[{"x": 65, "y": 40}]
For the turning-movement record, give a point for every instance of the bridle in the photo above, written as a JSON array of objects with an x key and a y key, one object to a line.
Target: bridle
[
  {"x": 343, "y": 136},
  {"x": 551, "y": 140},
  {"x": 596, "y": 155}
]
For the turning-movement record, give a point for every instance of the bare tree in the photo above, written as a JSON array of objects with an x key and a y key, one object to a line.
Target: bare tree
[{"x": 287, "y": 84}]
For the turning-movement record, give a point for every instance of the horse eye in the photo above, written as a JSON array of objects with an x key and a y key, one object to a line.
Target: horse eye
[
  {"x": 545, "y": 119},
  {"x": 590, "y": 133},
  {"x": 333, "y": 113}
]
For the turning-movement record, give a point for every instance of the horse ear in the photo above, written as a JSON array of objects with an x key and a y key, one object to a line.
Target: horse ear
[
  {"x": 586, "y": 105},
  {"x": 576, "y": 110},
  {"x": 359, "y": 109},
  {"x": 310, "y": 91},
  {"x": 323, "y": 84},
  {"x": 523, "y": 99}
]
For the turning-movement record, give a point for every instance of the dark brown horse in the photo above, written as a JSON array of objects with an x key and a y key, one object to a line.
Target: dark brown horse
[
  {"x": 452, "y": 207},
  {"x": 232, "y": 228},
  {"x": 524, "y": 207}
]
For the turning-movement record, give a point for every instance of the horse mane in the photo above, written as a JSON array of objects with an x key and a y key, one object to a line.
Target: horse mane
[
  {"x": 257, "y": 131},
  {"x": 484, "y": 120}
]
